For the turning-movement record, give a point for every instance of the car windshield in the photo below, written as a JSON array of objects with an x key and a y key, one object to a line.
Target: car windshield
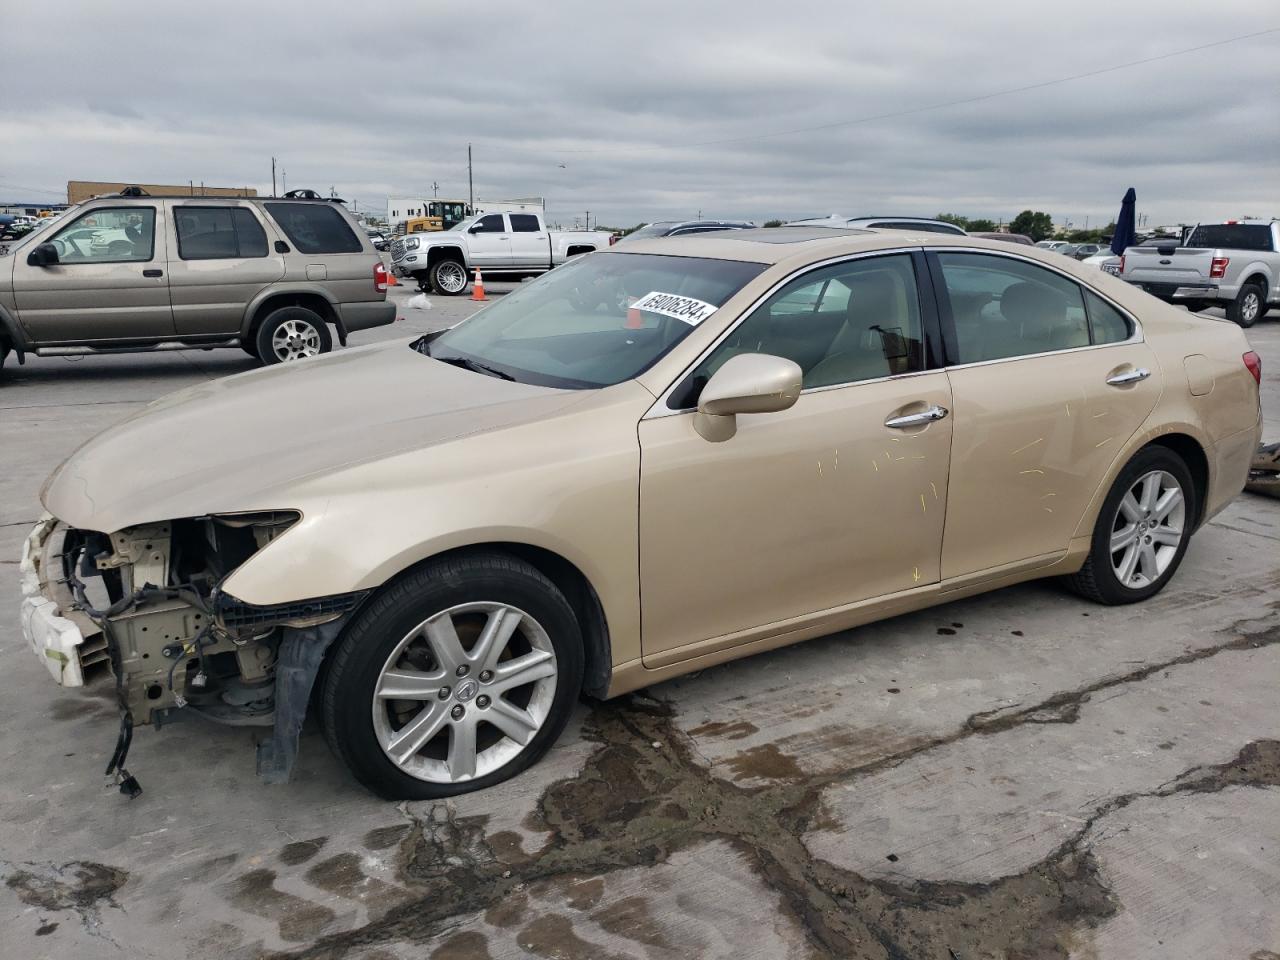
[
  {"x": 649, "y": 230},
  {"x": 596, "y": 321}
]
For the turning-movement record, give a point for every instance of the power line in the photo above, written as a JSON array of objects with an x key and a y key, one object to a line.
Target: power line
[
  {"x": 940, "y": 105},
  {"x": 13, "y": 186}
]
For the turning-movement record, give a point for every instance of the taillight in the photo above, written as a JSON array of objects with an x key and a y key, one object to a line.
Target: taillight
[
  {"x": 613, "y": 238},
  {"x": 380, "y": 277},
  {"x": 1122, "y": 263},
  {"x": 1254, "y": 363},
  {"x": 1218, "y": 269}
]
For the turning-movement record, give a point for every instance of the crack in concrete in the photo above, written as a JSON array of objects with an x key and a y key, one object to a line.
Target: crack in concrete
[{"x": 645, "y": 794}]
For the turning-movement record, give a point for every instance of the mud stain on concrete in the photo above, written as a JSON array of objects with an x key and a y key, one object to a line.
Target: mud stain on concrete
[
  {"x": 79, "y": 885},
  {"x": 620, "y": 811},
  {"x": 735, "y": 730},
  {"x": 467, "y": 945},
  {"x": 344, "y": 876},
  {"x": 765, "y": 762},
  {"x": 631, "y": 918},
  {"x": 384, "y": 838},
  {"x": 292, "y": 854},
  {"x": 298, "y": 920}
]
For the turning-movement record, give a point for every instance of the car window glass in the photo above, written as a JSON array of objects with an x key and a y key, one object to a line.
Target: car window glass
[
  {"x": 1234, "y": 236},
  {"x": 491, "y": 224},
  {"x": 108, "y": 235},
  {"x": 218, "y": 233},
  {"x": 524, "y": 223},
  {"x": 1009, "y": 308},
  {"x": 850, "y": 321},
  {"x": 1107, "y": 324},
  {"x": 315, "y": 227}
]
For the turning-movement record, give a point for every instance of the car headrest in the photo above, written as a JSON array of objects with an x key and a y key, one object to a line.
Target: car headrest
[
  {"x": 1030, "y": 303},
  {"x": 873, "y": 300}
]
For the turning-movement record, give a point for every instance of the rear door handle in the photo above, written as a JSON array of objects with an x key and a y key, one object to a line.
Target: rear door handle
[
  {"x": 1126, "y": 377},
  {"x": 927, "y": 415},
  {"x": 153, "y": 273}
]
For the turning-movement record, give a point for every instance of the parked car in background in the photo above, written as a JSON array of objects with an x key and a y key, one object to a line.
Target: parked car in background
[
  {"x": 1235, "y": 264},
  {"x": 679, "y": 228},
  {"x": 506, "y": 245},
  {"x": 1083, "y": 251},
  {"x": 133, "y": 272},
  {"x": 1057, "y": 246},
  {"x": 467, "y": 531},
  {"x": 1019, "y": 238},
  {"x": 913, "y": 224},
  {"x": 378, "y": 239}
]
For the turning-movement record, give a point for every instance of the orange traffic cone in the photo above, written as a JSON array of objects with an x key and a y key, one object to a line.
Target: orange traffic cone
[
  {"x": 391, "y": 280},
  {"x": 477, "y": 290},
  {"x": 634, "y": 320}
]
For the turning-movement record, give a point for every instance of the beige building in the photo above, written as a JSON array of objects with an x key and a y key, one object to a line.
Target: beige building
[{"x": 79, "y": 191}]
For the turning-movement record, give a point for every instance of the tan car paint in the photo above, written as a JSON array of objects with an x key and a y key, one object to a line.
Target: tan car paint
[{"x": 432, "y": 458}]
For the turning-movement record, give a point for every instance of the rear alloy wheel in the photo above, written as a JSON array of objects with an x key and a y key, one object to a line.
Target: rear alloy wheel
[
  {"x": 292, "y": 333},
  {"x": 1247, "y": 307},
  {"x": 457, "y": 677},
  {"x": 449, "y": 278},
  {"x": 1142, "y": 531}
]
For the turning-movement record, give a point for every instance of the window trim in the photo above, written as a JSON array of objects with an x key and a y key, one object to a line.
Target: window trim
[
  {"x": 155, "y": 220},
  {"x": 947, "y": 321},
  {"x": 235, "y": 231},
  {"x": 928, "y": 323}
]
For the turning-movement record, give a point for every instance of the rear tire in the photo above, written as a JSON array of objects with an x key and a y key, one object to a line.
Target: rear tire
[
  {"x": 448, "y": 278},
  {"x": 1133, "y": 553},
  {"x": 291, "y": 333},
  {"x": 460, "y": 723},
  {"x": 1248, "y": 306}
]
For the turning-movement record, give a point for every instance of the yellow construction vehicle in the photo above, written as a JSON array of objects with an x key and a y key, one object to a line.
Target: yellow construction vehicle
[{"x": 441, "y": 215}]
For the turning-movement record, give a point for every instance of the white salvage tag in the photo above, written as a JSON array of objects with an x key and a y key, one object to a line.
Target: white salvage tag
[{"x": 692, "y": 311}]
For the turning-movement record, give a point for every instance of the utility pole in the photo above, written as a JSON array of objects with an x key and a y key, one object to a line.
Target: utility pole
[
  {"x": 435, "y": 189},
  {"x": 471, "y": 189},
  {"x": 588, "y": 219},
  {"x": 284, "y": 180},
  {"x": 273, "y": 176}
]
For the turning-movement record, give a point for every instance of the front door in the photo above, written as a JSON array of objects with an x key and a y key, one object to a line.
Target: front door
[
  {"x": 489, "y": 242},
  {"x": 1050, "y": 381},
  {"x": 109, "y": 283},
  {"x": 840, "y": 498}
]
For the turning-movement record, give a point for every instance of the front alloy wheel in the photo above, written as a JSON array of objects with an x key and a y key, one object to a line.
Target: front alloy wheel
[
  {"x": 464, "y": 692},
  {"x": 449, "y": 278},
  {"x": 455, "y": 676}
]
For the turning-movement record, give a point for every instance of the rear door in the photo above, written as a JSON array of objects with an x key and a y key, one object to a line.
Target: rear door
[
  {"x": 530, "y": 243},
  {"x": 1049, "y": 382},
  {"x": 109, "y": 282},
  {"x": 221, "y": 259},
  {"x": 489, "y": 242}
]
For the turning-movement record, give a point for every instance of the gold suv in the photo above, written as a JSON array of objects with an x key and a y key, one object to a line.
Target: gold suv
[
  {"x": 649, "y": 461},
  {"x": 139, "y": 273}
]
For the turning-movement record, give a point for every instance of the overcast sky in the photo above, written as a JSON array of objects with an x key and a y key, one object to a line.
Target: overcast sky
[{"x": 614, "y": 108}]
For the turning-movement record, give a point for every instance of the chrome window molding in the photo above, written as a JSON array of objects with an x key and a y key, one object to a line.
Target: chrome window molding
[{"x": 660, "y": 408}]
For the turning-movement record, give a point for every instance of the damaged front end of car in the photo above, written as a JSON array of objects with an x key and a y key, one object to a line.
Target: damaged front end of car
[{"x": 144, "y": 608}]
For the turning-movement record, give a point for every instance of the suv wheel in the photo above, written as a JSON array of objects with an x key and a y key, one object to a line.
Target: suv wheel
[
  {"x": 449, "y": 278},
  {"x": 1142, "y": 530},
  {"x": 4, "y": 355},
  {"x": 1247, "y": 307},
  {"x": 292, "y": 333},
  {"x": 457, "y": 676}
]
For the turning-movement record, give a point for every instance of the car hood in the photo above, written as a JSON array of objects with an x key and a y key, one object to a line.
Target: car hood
[{"x": 238, "y": 443}]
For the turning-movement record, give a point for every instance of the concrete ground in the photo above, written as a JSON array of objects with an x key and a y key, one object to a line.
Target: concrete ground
[{"x": 1021, "y": 774}]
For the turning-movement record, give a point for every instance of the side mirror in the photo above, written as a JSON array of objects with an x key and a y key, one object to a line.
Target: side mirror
[
  {"x": 747, "y": 383},
  {"x": 475, "y": 228},
  {"x": 43, "y": 255}
]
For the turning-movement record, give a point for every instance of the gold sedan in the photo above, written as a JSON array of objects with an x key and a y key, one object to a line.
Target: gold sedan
[{"x": 649, "y": 461}]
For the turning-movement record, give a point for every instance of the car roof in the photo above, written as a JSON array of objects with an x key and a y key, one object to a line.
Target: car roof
[{"x": 770, "y": 245}]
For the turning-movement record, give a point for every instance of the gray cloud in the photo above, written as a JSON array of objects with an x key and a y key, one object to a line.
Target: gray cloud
[{"x": 384, "y": 100}]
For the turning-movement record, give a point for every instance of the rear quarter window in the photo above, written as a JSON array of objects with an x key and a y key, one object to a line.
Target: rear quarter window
[
  {"x": 1233, "y": 236},
  {"x": 315, "y": 227}
]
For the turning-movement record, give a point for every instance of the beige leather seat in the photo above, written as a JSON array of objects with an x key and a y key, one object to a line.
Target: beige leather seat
[{"x": 858, "y": 351}]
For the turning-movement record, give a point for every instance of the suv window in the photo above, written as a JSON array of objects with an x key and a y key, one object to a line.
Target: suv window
[
  {"x": 524, "y": 223},
  {"x": 108, "y": 235},
  {"x": 1003, "y": 307},
  {"x": 850, "y": 321},
  {"x": 218, "y": 233},
  {"x": 490, "y": 224},
  {"x": 1232, "y": 236},
  {"x": 315, "y": 227}
]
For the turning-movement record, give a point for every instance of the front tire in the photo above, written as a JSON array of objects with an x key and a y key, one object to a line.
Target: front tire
[
  {"x": 456, "y": 677},
  {"x": 449, "y": 278},
  {"x": 1248, "y": 306},
  {"x": 1142, "y": 531},
  {"x": 291, "y": 333}
]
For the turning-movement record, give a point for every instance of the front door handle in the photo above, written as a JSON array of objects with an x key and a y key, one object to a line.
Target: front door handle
[
  {"x": 1126, "y": 377},
  {"x": 927, "y": 415},
  {"x": 153, "y": 273}
]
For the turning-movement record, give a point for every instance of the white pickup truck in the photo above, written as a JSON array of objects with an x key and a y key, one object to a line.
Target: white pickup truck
[
  {"x": 1234, "y": 264},
  {"x": 505, "y": 245}
]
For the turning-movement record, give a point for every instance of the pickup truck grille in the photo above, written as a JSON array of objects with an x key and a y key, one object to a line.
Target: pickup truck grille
[{"x": 397, "y": 250}]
